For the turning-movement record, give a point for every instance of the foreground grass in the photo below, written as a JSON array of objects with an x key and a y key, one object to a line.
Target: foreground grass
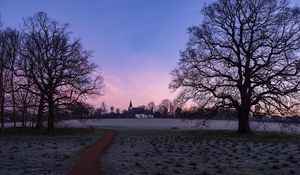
[
  {"x": 31, "y": 132},
  {"x": 262, "y": 136},
  {"x": 26, "y": 151},
  {"x": 188, "y": 152}
]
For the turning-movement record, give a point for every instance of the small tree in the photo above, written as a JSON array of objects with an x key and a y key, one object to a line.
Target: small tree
[
  {"x": 103, "y": 107},
  {"x": 151, "y": 106},
  {"x": 167, "y": 104},
  {"x": 112, "y": 109},
  {"x": 98, "y": 112},
  {"x": 118, "y": 111},
  {"x": 244, "y": 53}
]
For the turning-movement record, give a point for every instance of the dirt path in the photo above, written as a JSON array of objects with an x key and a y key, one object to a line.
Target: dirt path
[{"x": 88, "y": 162}]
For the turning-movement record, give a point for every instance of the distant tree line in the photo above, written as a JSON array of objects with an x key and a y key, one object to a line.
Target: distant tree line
[
  {"x": 43, "y": 72},
  {"x": 166, "y": 109},
  {"x": 81, "y": 110}
]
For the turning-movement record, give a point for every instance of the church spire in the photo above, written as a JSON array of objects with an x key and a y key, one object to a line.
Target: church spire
[{"x": 130, "y": 105}]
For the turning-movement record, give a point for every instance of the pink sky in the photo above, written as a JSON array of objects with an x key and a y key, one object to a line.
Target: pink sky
[{"x": 141, "y": 85}]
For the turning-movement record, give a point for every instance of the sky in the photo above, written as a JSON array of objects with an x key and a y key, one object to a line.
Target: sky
[{"x": 136, "y": 43}]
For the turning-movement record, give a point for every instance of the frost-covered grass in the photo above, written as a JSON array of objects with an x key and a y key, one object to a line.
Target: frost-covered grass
[
  {"x": 28, "y": 152},
  {"x": 178, "y": 123},
  {"x": 201, "y": 152}
]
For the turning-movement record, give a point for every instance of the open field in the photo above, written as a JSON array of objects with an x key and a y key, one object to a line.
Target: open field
[
  {"x": 156, "y": 146},
  {"x": 178, "y": 123},
  {"x": 189, "y": 152},
  {"x": 29, "y": 152}
]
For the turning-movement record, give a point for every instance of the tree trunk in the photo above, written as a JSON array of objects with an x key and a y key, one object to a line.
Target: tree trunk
[
  {"x": 14, "y": 108},
  {"x": 33, "y": 115},
  {"x": 2, "y": 101},
  {"x": 12, "y": 83},
  {"x": 2, "y": 111},
  {"x": 244, "y": 126},
  {"x": 39, "y": 123},
  {"x": 51, "y": 116},
  {"x": 23, "y": 118},
  {"x": 26, "y": 116}
]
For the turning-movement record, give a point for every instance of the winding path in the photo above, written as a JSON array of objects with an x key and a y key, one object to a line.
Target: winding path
[{"x": 88, "y": 162}]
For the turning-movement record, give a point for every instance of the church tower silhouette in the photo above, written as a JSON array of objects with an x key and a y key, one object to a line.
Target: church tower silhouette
[{"x": 130, "y": 106}]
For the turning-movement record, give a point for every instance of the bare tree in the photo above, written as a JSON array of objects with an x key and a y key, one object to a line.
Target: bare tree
[
  {"x": 60, "y": 68},
  {"x": 244, "y": 53},
  {"x": 81, "y": 109},
  {"x": 12, "y": 45},
  {"x": 118, "y": 111},
  {"x": 103, "y": 107},
  {"x": 98, "y": 112},
  {"x": 3, "y": 65},
  {"x": 112, "y": 109},
  {"x": 163, "y": 110},
  {"x": 151, "y": 106},
  {"x": 167, "y": 104},
  {"x": 24, "y": 101},
  {"x": 7, "y": 57}
]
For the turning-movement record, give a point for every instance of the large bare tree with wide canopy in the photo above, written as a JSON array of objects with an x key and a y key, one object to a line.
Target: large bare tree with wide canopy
[
  {"x": 245, "y": 53},
  {"x": 57, "y": 68}
]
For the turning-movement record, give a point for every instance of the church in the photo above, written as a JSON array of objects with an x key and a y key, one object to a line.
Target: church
[{"x": 139, "y": 112}]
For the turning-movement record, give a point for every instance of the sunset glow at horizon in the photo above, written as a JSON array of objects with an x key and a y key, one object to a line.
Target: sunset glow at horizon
[{"x": 136, "y": 43}]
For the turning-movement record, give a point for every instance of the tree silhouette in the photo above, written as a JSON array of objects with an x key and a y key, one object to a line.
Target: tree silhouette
[
  {"x": 118, "y": 111},
  {"x": 112, "y": 109},
  {"x": 151, "y": 106},
  {"x": 244, "y": 53},
  {"x": 8, "y": 48},
  {"x": 12, "y": 44},
  {"x": 60, "y": 68},
  {"x": 167, "y": 105},
  {"x": 103, "y": 107}
]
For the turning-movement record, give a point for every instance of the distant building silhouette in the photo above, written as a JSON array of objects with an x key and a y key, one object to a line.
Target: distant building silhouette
[
  {"x": 130, "y": 106},
  {"x": 139, "y": 112}
]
